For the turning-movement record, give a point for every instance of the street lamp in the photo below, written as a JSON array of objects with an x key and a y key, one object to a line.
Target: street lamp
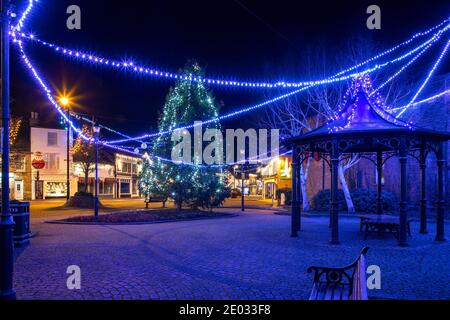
[
  {"x": 65, "y": 102},
  {"x": 242, "y": 171},
  {"x": 96, "y": 130}
]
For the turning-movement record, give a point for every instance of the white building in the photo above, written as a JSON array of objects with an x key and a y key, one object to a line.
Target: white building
[
  {"x": 117, "y": 179},
  {"x": 52, "y": 144}
]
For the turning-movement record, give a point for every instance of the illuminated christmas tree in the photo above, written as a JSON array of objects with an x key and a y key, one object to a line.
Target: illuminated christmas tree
[{"x": 188, "y": 184}]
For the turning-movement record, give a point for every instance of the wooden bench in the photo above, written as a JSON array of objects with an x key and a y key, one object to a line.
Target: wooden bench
[
  {"x": 381, "y": 224},
  {"x": 346, "y": 283},
  {"x": 154, "y": 199}
]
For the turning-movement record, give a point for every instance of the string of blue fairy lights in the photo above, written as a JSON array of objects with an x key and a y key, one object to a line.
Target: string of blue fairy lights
[
  {"x": 271, "y": 101},
  {"x": 123, "y": 65},
  {"x": 18, "y": 36},
  {"x": 427, "y": 79}
]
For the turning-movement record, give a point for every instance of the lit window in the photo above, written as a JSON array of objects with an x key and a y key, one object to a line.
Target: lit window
[{"x": 52, "y": 139}]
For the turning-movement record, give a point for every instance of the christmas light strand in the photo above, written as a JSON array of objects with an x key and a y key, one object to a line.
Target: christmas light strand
[
  {"x": 272, "y": 100},
  {"x": 149, "y": 158},
  {"x": 268, "y": 102},
  {"x": 430, "y": 74},
  {"x": 130, "y": 66},
  {"x": 436, "y": 38},
  {"x": 429, "y": 99},
  {"x": 24, "y": 16},
  {"x": 58, "y": 108}
]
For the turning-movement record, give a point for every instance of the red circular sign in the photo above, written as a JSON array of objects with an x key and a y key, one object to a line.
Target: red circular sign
[{"x": 38, "y": 162}]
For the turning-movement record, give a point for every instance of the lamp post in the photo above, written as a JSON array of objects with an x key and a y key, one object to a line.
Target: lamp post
[
  {"x": 6, "y": 221},
  {"x": 242, "y": 195},
  {"x": 242, "y": 187},
  {"x": 66, "y": 103},
  {"x": 96, "y": 130}
]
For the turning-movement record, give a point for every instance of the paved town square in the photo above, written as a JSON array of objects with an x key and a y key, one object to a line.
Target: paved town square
[
  {"x": 250, "y": 256},
  {"x": 242, "y": 154}
]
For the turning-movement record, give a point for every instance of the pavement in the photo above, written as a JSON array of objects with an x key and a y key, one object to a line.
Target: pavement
[{"x": 250, "y": 256}]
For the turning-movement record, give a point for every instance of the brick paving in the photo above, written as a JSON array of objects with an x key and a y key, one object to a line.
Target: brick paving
[{"x": 247, "y": 257}]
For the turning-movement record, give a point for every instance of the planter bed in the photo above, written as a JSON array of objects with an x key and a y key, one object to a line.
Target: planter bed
[{"x": 143, "y": 217}]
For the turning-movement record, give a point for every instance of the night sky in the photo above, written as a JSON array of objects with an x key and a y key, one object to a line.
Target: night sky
[{"x": 253, "y": 40}]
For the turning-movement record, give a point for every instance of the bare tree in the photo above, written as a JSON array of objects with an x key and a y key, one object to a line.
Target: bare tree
[{"x": 84, "y": 153}]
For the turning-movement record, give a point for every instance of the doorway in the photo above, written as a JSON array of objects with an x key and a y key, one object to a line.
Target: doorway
[{"x": 18, "y": 190}]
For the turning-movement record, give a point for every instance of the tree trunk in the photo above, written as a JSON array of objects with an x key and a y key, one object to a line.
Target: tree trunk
[
  {"x": 348, "y": 197},
  {"x": 303, "y": 178},
  {"x": 86, "y": 180}
]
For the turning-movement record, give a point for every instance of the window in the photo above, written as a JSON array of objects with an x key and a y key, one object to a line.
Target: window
[
  {"x": 125, "y": 167},
  {"x": 125, "y": 187},
  {"x": 52, "y": 138},
  {"x": 52, "y": 161},
  {"x": 18, "y": 163}
]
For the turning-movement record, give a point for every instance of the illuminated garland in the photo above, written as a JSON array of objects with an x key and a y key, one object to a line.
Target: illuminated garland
[
  {"x": 429, "y": 99},
  {"x": 430, "y": 74},
  {"x": 58, "y": 108},
  {"x": 21, "y": 22},
  {"x": 271, "y": 101},
  {"x": 304, "y": 85},
  {"x": 436, "y": 37},
  {"x": 362, "y": 84},
  {"x": 144, "y": 70}
]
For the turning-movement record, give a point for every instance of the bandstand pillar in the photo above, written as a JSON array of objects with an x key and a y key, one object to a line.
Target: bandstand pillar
[
  {"x": 379, "y": 181},
  {"x": 295, "y": 214},
  {"x": 402, "y": 237},
  {"x": 423, "y": 191},
  {"x": 334, "y": 205},
  {"x": 440, "y": 197}
]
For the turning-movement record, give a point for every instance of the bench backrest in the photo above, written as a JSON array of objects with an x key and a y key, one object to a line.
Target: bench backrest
[
  {"x": 359, "y": 290},
  {"x": 341, "y": 283}
]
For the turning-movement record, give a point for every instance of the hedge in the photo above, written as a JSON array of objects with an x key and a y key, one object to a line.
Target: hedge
[{"x": 364, "y": 200}]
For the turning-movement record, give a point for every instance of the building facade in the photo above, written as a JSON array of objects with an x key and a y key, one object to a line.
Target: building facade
[
  {"x": 118, "y": 173},
  {"x": 51, "y": 181},
  {"x": 276, "y": 175},
  {"x": 118, "y": 178}
]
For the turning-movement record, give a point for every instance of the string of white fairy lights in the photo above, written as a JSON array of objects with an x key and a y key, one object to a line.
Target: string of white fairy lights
[
  {"x": 18, "y": 36},
  {"x": 144, "y": 70},
  {"x": 427, "y": 79},
  {"x": 276, "y": 99}
]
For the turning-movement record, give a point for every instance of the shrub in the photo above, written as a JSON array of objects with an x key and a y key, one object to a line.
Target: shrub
[
  {"x": 288, "y": 194},
  {"x": 321, "y": 201},
  {"x": 84, "y": 194},
  {"x": 364, "y": 200},
  {"x": 235, "y": 193}
]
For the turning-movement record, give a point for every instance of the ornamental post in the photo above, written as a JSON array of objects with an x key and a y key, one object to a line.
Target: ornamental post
[
  {"x": 379, "y": 181},
  {"x": 440, "y": 199},
  {"x": 423, "y": 191},
  {"x": 334, "y": 205},
  {"x": 295, "y": 213},
  {"x": 6, "y": 221},
  {"x": 402, "y": 237}
]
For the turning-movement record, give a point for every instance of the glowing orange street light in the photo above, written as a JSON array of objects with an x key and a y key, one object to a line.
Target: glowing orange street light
[{"x": 65, "y": 101}]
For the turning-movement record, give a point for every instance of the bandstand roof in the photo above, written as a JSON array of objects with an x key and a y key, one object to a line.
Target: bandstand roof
[{"x": 366, "y": 129}]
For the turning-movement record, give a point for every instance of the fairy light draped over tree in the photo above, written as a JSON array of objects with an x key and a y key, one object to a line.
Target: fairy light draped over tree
[{"x": 194, "y": 186}]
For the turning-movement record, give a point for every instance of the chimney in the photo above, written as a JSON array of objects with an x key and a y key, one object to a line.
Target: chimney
[{"x": 34, "y": 119}]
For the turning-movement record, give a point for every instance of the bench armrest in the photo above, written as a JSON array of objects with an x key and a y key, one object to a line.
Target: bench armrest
[{"x": 336, "y": 274}]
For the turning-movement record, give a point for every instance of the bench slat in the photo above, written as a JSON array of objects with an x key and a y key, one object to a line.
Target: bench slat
[
  {"x": 337, "y": 294},
  {"x": 321, "y": 291},
  {"x": 346, "y": 293},
  {"x": 314, "y": 291},
  {"x": 329, "y": 291}
]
